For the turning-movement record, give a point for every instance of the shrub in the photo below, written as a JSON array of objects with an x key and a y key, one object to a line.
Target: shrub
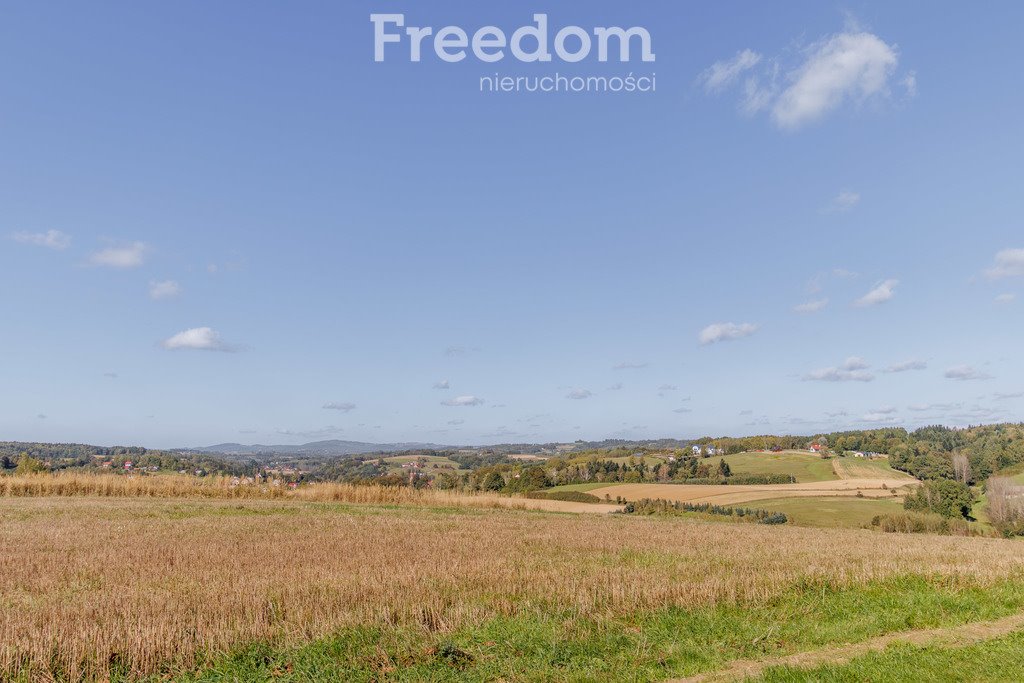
[
  {"x": 572, "y": 496},
  {"x": 943, "y": 496}
]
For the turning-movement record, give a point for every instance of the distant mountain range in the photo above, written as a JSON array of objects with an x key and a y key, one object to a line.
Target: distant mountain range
[{"x": 322, "y": 448}]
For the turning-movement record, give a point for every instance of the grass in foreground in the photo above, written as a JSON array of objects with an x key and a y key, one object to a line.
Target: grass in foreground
[
  {"x": 999, "y": 659},
  {"x": 139, "y": 586},
  {"x": 648, "y": 646}
]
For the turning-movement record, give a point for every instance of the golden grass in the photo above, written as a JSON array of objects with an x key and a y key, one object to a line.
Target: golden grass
[{"x": 146, "y": 582}]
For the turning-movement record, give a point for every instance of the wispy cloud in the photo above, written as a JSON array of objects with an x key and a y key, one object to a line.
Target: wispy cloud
[
  {"x": 1000, "y": 396},
  {"x": 615, "y": 387},
  {"x": 343, "y": 406},
  {"x": 164, "y": 289},
  {"x": 853, "y": 369},
  {"x": 724, "y": 73},
  {"x": 907, "y": 365},
  {"x": 882, "y": 292},
  {"x": 443, "y": 384},
  {"x": 718, "y": 332},
  {"x": 579, "y": 394},
  {"x": 128, "y": 256},
  {"x": 629, "y": 365},
  {"x": 1006, "y": 298},
  {"x": 852, "y": 66},
  {"x": 811, "y": 306},
  {"x": 965, "y": 373},
  {"x": 844, "y": 201},
  {"x": 1008, "y": 263},
  {"x": 199, "y": 339},
  {"x": 51, "y": 239},
  {"x": 463, "y": 401}
]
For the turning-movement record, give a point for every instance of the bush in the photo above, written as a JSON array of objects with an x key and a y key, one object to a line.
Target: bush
[
  {"x": 924, "y": 523},
  {"x": 572, "y": 496},
  {"x": 650, "y": 506},
  {"x": 942, "y": 496}
]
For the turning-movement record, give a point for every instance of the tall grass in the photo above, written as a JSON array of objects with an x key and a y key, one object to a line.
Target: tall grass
[
  {"x": 222, "y": 487},
  {"x": 141, "y": 579}
]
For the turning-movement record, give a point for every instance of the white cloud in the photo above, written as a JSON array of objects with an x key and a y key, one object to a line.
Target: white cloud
[
  {"x": 907, "y": 365},
  {"x": 880, "y": 294},
  {"x": 682, "y": 410},
  {"x": 443, "y": 384},
  {"x": 723, "y": 73},
  {"x": 845, "y": 66},
  {"x": 855, "y": 363},
  {"x": 717, "y": 332},
  {"x": 844, "y": 201},
  {"x": 164, "y": 289},
  {"x": 811, "y": 306},
  {"x": 1008, "y": 263},
  {"x": 344, "y": 407},
  {"x": 853, "y": 369},
  {"x": 462, "y": 401},
  {"x": 909, "y": 83},
  {"x": 999, "y": 396},
  {"x": 198, "y": 338},
  {"x": 51, "y": 239},
  {"x": 965, "y": 373},
  {"x": 615, "y": 387},
  {"x": 579, "y": 394},
  {"x": 853, "y": 66},
  {"x": 1006, "y": 298},
  {"x": 886, "y": 414},
  {"x": 629, "y": 365},
  {"x": 128, "y": 256}
]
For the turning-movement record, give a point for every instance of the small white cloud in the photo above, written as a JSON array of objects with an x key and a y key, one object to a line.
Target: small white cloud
[
  {"x": 51, "y": 239},
  {"x": 41, "y": 416},
  {"x": 855, "y": 363},
  {"x": 811, "y": 306},
  {"x": 682, "y": 410},
  {"x": 128, "y": 256},
  {"x": 999, "y": 396},
  {"x": 718, "y": 332},
  {"x": 853, "y": 369},
  {"x": 853, "y": 66},
  {"x": 725, "y": 72},
  {"x": 884, "y": 291},
  {"x": 456, "y": 423},
  {"x": 909, "y": 83},
  {"x": 907, "y": 365},
  {"x": 164, "y": 289},
  {"x": 846, "y": 66},
  {"x": 110, "y": 375},
  {"x": 1006, "y": 298},
  {"x": 1008, "y": 263},
  {"x": 629, "y": 365},
  {"x": 668, "y": 387},
  {"x": 965, "y": 373},
  {"x": 844, "y": 201},
  {"x": 615, "y": 387},
  {"x": 200, "y": 339},
  {"x": 344, "y": 407},
  {"x": 463, "y": 401},
  {"x": 579, "y": 394},
  {"x": 443, "y": 384}
]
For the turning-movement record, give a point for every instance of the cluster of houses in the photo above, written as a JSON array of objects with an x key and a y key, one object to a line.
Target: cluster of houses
[{"x": 708, "y": 450}]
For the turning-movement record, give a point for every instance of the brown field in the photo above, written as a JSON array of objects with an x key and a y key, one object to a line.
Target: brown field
[
  {"x": 731, "y": 495},
  {"x": 149, "y": 581}
]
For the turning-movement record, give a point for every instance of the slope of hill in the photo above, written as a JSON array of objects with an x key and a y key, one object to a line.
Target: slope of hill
[{"x": 330, "y": 447}]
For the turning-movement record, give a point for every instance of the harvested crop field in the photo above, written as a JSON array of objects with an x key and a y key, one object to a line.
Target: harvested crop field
[
  {"x": 145, "y": 584},
  {"x": 736, "y": 494}
]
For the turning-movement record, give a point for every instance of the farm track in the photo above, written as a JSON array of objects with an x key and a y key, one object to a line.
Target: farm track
[{"x": 953, "y": 637}]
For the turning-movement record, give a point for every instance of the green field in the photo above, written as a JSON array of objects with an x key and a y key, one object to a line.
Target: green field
[
  {"x": 831, "y": 511},
  {"x": 804, "y": 466},
  {"x": 394, "y": 463}
]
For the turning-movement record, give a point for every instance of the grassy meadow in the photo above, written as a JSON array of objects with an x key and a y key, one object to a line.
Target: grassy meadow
[
  {"x": 103, "y": 580},
  {"x": 806, "y": 467}
]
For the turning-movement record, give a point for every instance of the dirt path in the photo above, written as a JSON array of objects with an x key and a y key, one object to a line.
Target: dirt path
[{"x": 956, "y": 636}]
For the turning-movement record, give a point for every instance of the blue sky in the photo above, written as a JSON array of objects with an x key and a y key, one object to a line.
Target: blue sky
[{"x": 226, "y": 222}]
